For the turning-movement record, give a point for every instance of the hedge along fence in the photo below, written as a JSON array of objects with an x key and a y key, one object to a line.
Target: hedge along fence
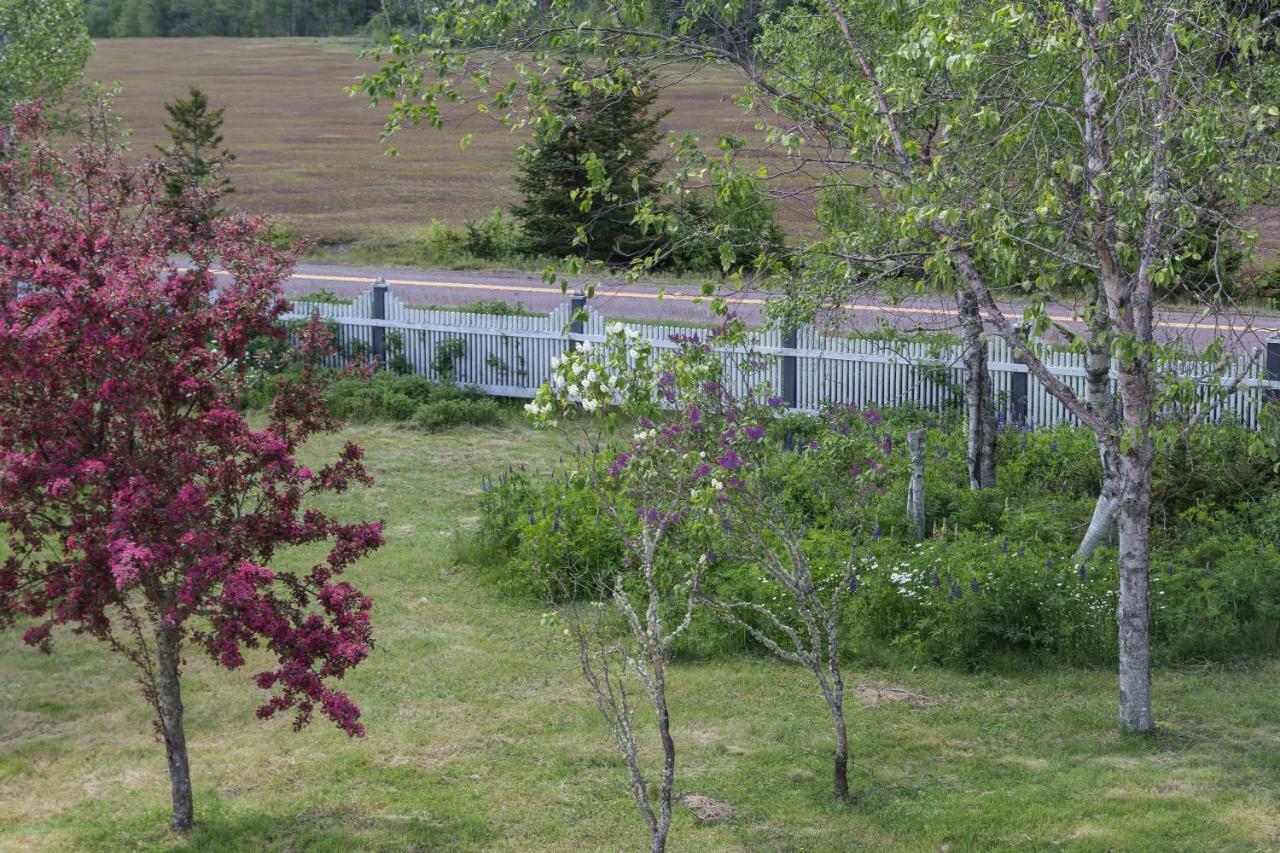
[{"x": 510, "y": 356}]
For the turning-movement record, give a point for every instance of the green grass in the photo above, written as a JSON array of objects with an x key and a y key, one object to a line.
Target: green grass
[{"x": 481, "y": 736}]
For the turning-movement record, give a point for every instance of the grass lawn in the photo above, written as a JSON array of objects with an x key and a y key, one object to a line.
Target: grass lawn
[{"x": 481, "y": 735}]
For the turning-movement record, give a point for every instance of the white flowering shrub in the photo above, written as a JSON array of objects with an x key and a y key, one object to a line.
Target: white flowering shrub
[{"x": 618, "y": 373}]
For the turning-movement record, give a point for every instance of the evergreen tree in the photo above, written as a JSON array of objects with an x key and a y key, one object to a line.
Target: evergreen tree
[
  {"x": 195, "y": 131},
  {"x": 611, "y": 132}
]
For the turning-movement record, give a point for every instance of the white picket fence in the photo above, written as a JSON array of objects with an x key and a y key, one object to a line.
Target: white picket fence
[{"x": 510, "y": 356}]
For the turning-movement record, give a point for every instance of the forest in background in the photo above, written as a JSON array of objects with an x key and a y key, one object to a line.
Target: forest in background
[{"x": 148, "y": 18}]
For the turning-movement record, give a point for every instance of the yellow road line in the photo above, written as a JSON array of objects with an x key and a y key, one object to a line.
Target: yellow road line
[{"x": 680, "y": 297}]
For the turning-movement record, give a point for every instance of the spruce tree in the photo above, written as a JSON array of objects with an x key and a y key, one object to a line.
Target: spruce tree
[
  {"x": 194, "y": 152},
  {"x": 616, "y": 129}
]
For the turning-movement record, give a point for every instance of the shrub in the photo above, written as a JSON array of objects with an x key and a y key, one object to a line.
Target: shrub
[
  {"x": 999, "y": 580},
  {"x": 445, "y": 413}
]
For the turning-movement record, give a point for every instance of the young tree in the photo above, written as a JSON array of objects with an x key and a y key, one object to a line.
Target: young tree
[
  {"x": 649, "y": 496},
  {"x": 1005, "y": 147},
  {"x": 194, "y": 153},
  {"x": 140, "y": 506},
  {"x": 590, "y": 164},
  {"x": 43, "y": 49}
]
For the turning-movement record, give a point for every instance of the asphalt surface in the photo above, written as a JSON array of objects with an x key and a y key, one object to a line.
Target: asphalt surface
[{"x": 657, "y": 301}]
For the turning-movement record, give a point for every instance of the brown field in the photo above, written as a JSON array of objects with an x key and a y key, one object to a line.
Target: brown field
[{"x": 309, "y": 155}]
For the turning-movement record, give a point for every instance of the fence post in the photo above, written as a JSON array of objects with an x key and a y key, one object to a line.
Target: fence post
[
  {"x": 789, "y": 394},
  {"x": 577, "y": 305},
  {"x": 380, "y": 313},
  {"x": 1019, "y": 384},
  {"x": 1271, "y": 369}
]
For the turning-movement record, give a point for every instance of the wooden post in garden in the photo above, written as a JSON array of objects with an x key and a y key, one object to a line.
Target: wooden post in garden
[
  {"x": 789, "y": 395},
  {"x": 1271, "y": 369},
  {"x": 379, "y": 304},
  {"x": 915, "y": 490}
]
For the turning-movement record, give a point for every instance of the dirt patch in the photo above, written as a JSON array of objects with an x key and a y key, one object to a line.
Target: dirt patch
[
  {"x": 875, "y": 695},
  {"x": 705, "y": 809}
]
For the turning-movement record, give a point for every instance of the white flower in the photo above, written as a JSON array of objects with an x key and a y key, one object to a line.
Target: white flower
[
  {"x": 532, "y": 408},
  {"x": 615, "y": 328},
  {"x": 591, "y": 376},
  {"x": 555, "y": 362},
  {"x": 584, "y": 347},
  {"x": 630, "y": 332},
  {"x": 633, "y": 354},
  {"x": 579, "y": 368},
  {"x": 589, "y": 405},
  {"x": 573, "y": 390},
  {"x": 716, "y": 484}
]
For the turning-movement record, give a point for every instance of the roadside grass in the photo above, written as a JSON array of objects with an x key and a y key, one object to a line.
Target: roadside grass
[{"x": 481, "y": 736}]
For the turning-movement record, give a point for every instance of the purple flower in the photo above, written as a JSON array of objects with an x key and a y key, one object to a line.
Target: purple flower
[
  {"x": 871, "y": 416},
  {"x": 973, "y": 585},
  {"x": 853, "y": 583},
  {"x": 887, "y": 444},
  {"x": 695, "y": 416},
  {"x": 730, "y": 461},
  {"x": 1082, "y": 573},
  {"x": 755, "y": 432},
  {"x": 618, "y": 464},
  {"x": 775, "y": 401},
  {"x": 703, "y": 470}
]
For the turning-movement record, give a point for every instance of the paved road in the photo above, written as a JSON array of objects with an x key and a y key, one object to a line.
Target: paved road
[{"x": 676, "y": 302}]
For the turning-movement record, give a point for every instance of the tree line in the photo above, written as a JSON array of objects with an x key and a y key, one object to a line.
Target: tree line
[{"x": 151, "y": 18}]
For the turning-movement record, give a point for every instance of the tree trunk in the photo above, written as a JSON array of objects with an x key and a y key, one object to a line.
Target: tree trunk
[
  {"x": 659, "y": 840},
  {"x": 978, "y": 394},
  {"x": 1098, "y": 398},
  {"x": 1133, "y": 614},
  {"x": 842, "y": 754},
  {"x": 915, "y": 489},
  {"x": 1103, "y": 523},
  {"x": 169, "y": 702}
]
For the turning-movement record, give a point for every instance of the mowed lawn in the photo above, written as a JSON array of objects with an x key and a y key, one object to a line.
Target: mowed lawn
[
  {"x": 481, "y": 736},
  {"x": 308, "y": 154}
]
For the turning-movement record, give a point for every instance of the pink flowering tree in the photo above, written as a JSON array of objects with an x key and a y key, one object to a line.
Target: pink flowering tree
[{"x": 139, "y": 505}]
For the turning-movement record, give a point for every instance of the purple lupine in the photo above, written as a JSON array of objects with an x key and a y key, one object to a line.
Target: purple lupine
[
  {"x": 935, "y": 581},
  {"x": 1082, "y": 573},
  {"x": 1049, "y": 563},
  {"x": 973, "y": 585},
  {"x": 955, "y": 593},
  {"x": 853, "y": 583}
]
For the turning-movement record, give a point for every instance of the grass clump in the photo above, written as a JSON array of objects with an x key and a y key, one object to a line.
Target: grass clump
[{"x": 412, "y": 400}]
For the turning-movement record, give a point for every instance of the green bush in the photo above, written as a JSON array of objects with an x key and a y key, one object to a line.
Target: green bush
[
  {"x": 998, "y": 576},
  {"x": 442, "y": 414}
]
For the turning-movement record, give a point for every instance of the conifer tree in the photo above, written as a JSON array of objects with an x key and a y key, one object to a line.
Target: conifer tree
[
  {"x": 590, "y": 130},
  {"x": 194, "y": 152}
]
